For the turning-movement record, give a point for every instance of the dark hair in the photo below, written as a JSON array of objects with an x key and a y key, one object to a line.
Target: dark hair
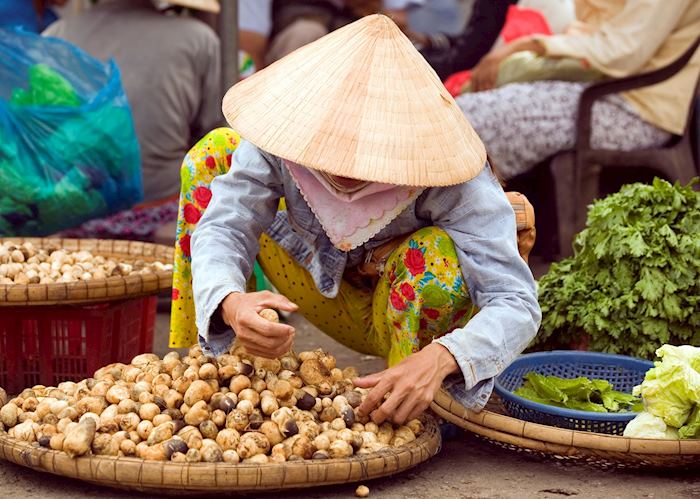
[{"x": 495, "y": 171}]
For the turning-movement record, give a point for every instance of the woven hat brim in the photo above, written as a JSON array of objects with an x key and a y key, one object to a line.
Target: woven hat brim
[{"x": 361, "y": 103}]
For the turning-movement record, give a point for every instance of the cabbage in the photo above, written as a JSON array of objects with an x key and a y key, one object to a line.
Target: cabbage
[
  {"x": 672, "y": 387},
  {"x": 647, "y": 425},
  {"x": 692, "y": 427}
]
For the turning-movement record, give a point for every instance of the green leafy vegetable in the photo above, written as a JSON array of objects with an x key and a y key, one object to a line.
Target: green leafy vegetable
[
  {"x": 646, "y": 425},
  {"x": 692, "y": 428},
  {"x": 634, "y": 281},
  {"x": 671, "y": 389},
  {"x": 582, "y": 394}
]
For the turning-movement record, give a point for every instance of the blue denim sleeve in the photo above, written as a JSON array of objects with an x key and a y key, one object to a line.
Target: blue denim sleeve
[
  {"x": 225, "y": 242},
  {"x": 480, "y": 221}
]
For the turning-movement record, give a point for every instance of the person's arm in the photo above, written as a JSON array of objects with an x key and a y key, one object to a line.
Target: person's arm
[
  {"x": 225, "y": 242},
  {"x": 448, "y": 55},
  {"x": 480, "y": 221},
  {"x": 255, "y": 26},
  {"x": 623, "y": 44}
]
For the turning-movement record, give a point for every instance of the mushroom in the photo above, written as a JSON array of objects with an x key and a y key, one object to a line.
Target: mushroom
[
  {"x": 303, "y": 447},
  {"x": 196, "y": 414},
  {"x": 149, "y": 411},
  {"x": 340, "y": 449},
  {"x": 161, "y": 433},
  {"x": 78, "y": 439},
  {"x": 208, "y": 429},
  {"x": 228, "y": 439},
  {"x": 237, "y": 420},
  {"x": 252, "y": 444},
  {"x": 211, "y": 452},
  {"x": 228, "y": 403},
  {"x": 416, "y": 426},
  {"x": 385, "y": 433},
  {"x": 56, "y": 442},
  {"x": 272, "y": 432},
  {"x": 193, "y": 456},
  {"x": 9, "y": 414},
  {"x": 284, "y": 419},
  {"x": 231, "y": 456},
  {"x": 238, "y": 383},
  {"x": 198, "y": 391},
  {"x": 24, "y": 431}
]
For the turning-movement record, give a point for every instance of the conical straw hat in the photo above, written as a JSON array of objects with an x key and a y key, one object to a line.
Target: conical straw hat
[{"x": 361, "y": 103}]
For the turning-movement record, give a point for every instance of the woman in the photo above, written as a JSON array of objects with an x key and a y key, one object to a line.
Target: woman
[
  {"x": 525, "y": 123},
  {"x": 395, "y": 229}
]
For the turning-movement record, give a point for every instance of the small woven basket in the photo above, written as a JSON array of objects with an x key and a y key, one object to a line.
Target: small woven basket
[
  {"x": 223, "y": 478},
  {"x": 565, "y": 445},
  {"x": 623, "y": 373},
  {"x": 98, "y": 290}
]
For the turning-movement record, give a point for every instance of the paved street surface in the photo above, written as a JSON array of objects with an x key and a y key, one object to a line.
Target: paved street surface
[{"x": 465, "y": 468}]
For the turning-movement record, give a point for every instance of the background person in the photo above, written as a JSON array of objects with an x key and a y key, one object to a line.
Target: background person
[
  {"x": 171, "y": 71},
  {"x": 523, "y": 124}
]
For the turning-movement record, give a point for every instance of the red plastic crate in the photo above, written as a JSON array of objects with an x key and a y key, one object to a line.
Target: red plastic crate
[{"x": 47, "y": 345}]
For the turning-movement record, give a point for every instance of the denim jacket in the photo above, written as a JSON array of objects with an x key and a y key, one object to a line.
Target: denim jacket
[{"x": 476, "y": 215}]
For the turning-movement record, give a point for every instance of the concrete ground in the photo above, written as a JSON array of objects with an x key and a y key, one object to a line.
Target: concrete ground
[{"x": 465, "y": 468}]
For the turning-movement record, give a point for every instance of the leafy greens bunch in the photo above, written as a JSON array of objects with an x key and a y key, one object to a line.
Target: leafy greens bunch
[
  {"x": 634, "y": 280},
  {"x": 583, "y": 394}
]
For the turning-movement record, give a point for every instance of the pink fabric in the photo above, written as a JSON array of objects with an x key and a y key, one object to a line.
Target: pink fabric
[{"x": 351, "y": 219}]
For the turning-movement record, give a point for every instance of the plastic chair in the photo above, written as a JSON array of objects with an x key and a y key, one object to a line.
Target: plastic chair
[{"x": 576, "y": 174}]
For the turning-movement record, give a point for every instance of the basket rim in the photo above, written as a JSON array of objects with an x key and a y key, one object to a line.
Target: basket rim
[
  {"x": 93, "y": 291},
  {"x": 551, "y": 410},
  {"x": 552, "y": 435}
]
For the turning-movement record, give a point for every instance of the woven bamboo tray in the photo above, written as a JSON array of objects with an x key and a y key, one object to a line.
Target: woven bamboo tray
[
  {"x": 197, "y": 478},
  {"x": 607, "y": 451},
  {"x": 98, "y": 290}
]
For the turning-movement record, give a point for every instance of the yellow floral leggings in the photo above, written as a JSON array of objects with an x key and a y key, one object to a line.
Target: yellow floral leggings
[{"x": 421, "y": 294}]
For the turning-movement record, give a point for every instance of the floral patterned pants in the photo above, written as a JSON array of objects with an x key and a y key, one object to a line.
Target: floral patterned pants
[
  {"x": 522, "y": 124},
  {"x": 421, "y": 294}
]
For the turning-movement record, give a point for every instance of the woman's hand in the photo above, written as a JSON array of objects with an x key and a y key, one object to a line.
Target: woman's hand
[
  {"x": 412, "y": 383},
  {"x": 259, "y": 336},
  {"x": 485, "y": 74}
]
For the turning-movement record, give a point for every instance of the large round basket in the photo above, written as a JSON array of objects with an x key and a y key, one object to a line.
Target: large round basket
[
  {"x": 198, "y": 478},
  {"x": 95, "y": 291},
  {"x": 579, "y": 446}
]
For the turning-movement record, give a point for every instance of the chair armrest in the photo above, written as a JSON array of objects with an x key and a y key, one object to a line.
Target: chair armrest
[{"x": 598, "y": 90}]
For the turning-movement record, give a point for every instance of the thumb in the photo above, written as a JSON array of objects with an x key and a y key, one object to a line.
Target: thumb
[{"x": 368, "y": 381}]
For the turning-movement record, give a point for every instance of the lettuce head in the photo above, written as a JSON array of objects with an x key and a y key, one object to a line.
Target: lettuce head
[
  {"x": 647, "y": 425},
  {"x": 671, "y": 389}
]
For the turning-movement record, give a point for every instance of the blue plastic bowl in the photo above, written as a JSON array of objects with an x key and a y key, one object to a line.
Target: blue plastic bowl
[{"x": 624, "y": 373}]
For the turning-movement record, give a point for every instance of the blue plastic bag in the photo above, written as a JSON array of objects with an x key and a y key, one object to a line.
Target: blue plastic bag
[{"x": 68, "y": 148}]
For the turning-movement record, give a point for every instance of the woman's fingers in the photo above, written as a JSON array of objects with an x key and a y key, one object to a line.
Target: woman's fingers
[
  {"x": 388, "y": 408},
  {"x": 374, "y": 397},
  {"x": 416, "y": 411},
  {"x": 368, "y": 381},
  {"x": 274, "y": 300},
  {"x": 266, "y": 328},
  {"x": 409, "y": 406}
]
